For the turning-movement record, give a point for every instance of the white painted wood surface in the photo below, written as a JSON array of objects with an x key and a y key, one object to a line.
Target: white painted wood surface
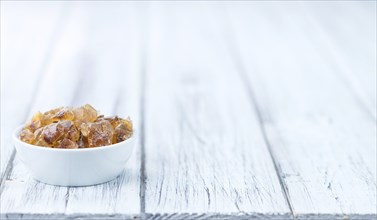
[
  {"x": 100, "y": 71},
  {"x": 204, "y": 150},
  {"x": 242, "y": 110},
  {"x": 27, "y": 39},
  {"x": 322, "y": 134}
]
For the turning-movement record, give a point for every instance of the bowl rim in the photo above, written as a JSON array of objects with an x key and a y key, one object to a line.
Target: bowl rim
[{"x": 100, "y": 148}]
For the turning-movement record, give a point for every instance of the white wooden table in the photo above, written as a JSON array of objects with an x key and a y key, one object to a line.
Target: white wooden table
[{"x": 242, "y": 109}]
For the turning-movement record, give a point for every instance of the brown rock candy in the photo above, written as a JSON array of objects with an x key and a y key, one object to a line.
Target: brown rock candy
[
  {"x": 82, "y": 142},
  {"x": 39, "y": 138},
  {"x": 64, "y": 114},
  {"x": 122, "y": 128},
  {"x": 51, "y": 134},
  {"x": 99, "y": 133},
  {"x": 84, "y": 114},
  {"x": 35, "y": 123},
  {"x": 71, "y": 128},
  {"x": 38, "y": 133},
  {"x": 67, "y": 143},
  {"x": 84, "y": 128},
  {"x": 27, "y": 136},
  {"x": 115, "y": 120},
  {"x": 41, "y": 142}
]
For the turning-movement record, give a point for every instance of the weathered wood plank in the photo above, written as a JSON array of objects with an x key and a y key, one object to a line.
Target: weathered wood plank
[
  {"x": 96, "y": 61},
  {"x": 27, "y": 39},
  {"x": 204, "y": 150},
  {"x": 349, "y": 39},
  {"x": 21, "y": 194},
  {"x": 322, "y": 138},
  {"x": 117, "y": 60}
]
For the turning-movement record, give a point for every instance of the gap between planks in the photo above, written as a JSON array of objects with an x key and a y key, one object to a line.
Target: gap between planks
[
  {"x": 67, "y": 194},
  {"x": 308, "y": 214},
  {"x": 242, "y": 73},
  {"x": 143, "y": 89},
  {"x": 142, "y": 131},
  {"x": 41, "y": 74}
]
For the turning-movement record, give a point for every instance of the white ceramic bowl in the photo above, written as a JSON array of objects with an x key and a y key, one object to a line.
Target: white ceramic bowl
[{"x": 74, "y": 167}]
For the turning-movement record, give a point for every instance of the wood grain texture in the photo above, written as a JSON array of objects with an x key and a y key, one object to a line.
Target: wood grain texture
[
  {"x": 118, "y": 63},
  {"x": 27, "y": 39},
  {"x": 204, "y": 150},
  {"x": 96, "y": 63},
  {"x": 322, "y": 137},
  {"x": 21, "y": 194},
  {"x": 246, "y": 110},
  {"x": 347, "y": 40}
]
